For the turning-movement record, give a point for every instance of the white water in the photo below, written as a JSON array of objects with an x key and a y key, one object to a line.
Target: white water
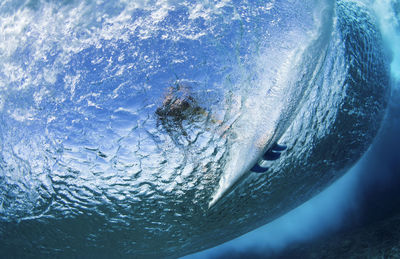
[{"x": 390, "y": 29}]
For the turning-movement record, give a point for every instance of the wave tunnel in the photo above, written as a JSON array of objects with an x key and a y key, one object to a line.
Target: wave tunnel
[{"x": 149, "y": 129}]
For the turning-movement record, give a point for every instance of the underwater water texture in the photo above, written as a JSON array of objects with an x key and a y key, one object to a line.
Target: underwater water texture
[
  {"x": 337, "y": 222},
  {"x": 128, "y": 128}
]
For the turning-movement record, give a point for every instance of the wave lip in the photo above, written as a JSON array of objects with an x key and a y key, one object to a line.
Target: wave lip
[{"x": 297, "y": 74}]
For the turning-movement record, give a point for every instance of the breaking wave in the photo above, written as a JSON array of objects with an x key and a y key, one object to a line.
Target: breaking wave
[{"x": 121, "y": 121}]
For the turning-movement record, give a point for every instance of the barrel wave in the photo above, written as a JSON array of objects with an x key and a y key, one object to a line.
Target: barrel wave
[{"x": 129, "y": 129}]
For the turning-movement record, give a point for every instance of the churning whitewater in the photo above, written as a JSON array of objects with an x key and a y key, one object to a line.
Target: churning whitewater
[{"x": 160, "y": 128}]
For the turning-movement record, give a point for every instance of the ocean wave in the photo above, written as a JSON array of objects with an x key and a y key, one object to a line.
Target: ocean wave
[{"x": 121, "y": 123}]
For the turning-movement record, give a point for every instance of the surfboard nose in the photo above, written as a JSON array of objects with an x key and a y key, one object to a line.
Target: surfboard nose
[{"x": 228, "y": 185}]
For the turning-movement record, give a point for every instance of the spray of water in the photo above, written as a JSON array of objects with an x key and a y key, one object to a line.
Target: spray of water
[{"x": 388, "y": 18}]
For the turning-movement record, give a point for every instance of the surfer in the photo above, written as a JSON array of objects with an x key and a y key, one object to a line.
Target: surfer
[
  {"x": 179, "y": 109},
  {"x": 179, "y": 106}
]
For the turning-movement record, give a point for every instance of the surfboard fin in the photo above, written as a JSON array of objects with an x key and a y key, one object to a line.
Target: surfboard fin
[
  {"x": 258, "y": 169},
  {"x": 271, "y": 155},
  {"x": 277, "y": 147}
]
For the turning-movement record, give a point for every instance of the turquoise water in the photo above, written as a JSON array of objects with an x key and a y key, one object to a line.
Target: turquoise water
[{"x": 128, "y": 129}]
